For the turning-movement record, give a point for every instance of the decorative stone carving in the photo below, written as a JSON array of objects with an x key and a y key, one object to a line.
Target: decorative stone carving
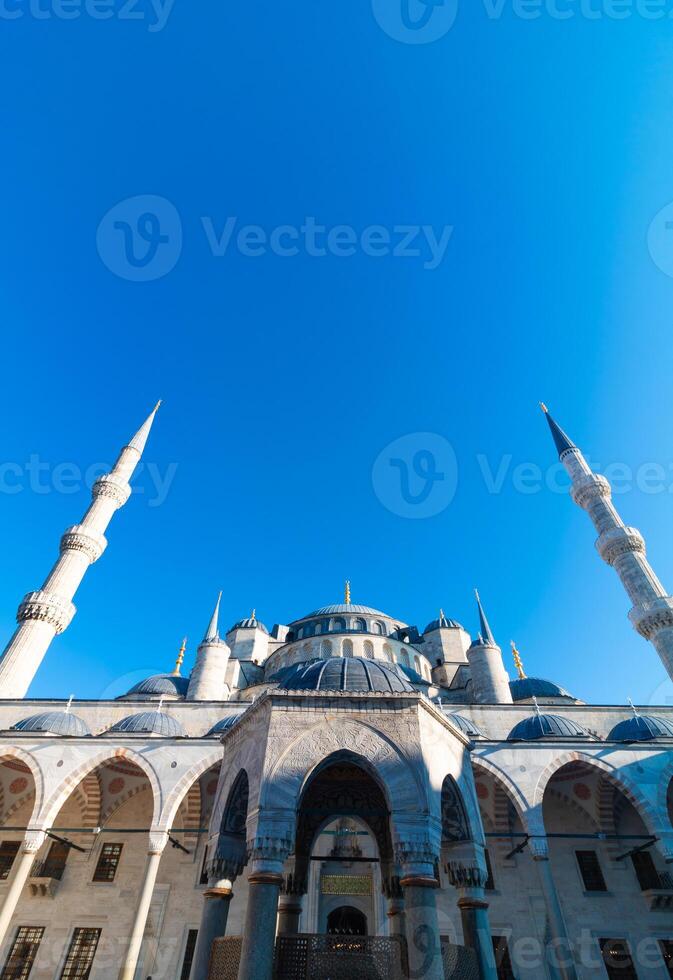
[
  {"x": 269, "y": 848},
  {"x": 157, "y": 842},
  {"x": 588, "y": 488},
  {"x": 465, "y": 875},
  {"x": 47, "y": 607},
  {"x": 539, "y": 848},
  {"x": 109, "y": 486},
  {"x": 80, "y": 538},
  {"x": 33, "y": 841},
  {"x": 416, "y": 850},
  {"x": 619, "y": 541},
  {"x": 649, "y": 619}
]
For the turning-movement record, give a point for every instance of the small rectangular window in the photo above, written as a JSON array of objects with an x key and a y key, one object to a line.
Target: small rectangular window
[
  {"x": 23, "y": 952},
  {"x": 80, "y": 956},
  {"x": 190, "y": 946},
  {"x": 617, "y": 959},
  {"x": 108, "y": 861},
  {"x": 503, "y": 962},
  {"x": 666, "y": 947},
  {"x": 646, "y": 872},
  {"x": 8, "y": 851},
  {"x": 590, "y": 869},
  {"x": 203, "y": 880},
  {"x": 490, "y": 883}
]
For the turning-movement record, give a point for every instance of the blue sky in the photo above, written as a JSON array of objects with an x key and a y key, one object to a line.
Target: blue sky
[{"x": 542, "y": 145}]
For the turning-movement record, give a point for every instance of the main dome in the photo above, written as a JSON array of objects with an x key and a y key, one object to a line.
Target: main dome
[
  {"x": 346, "y": 674},
  {"x": 342, "y": 608}
]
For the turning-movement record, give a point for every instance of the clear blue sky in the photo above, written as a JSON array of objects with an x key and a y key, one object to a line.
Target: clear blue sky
[{"x": 545, "y": 145}]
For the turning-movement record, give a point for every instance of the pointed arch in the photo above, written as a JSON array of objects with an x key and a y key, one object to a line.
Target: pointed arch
[
  {"x": 183, "y": 785},
  {"x": 455, "y": 823},
  {"x": 631, "y": 792},
  {"x": 31, "y": 763},
  {"x": 514, "y": 794},
  {"x": 53, "y": 804},
  {"x": 88, "y": 796}
]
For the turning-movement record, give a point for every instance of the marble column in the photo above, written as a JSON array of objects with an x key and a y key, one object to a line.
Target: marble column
[
  {"x": 416, "y": 855},
  {"x": 468, "y": 877},
  {"x": 30, "y": 845},
  {"x": 289, "y": 913},
  {"x": 216, "y": 902},
  {"x": 395, "y": 901},
  {"x": 266, "y": 860},
  {"x": 157, "y": 843},
  {"x": 559, "y": 956}
]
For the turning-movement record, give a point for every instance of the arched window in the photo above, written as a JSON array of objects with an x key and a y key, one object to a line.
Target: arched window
[
  {"x": 360, "y": 624},
  {"x": 404, "y": 658},
  {"x": 347, "y": 648},
  {"x": 417, "y": 665},
  {"x": 368, "y": 649},
  {"x": 387, "y": 651},
  {"x": 326, "y": 648},
  {"x": 454, "y": 819}
]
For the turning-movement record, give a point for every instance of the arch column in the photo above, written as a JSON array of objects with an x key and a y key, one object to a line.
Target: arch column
[
  {"x": 31, "y": 844},
  {"x": 216, "y": 903},
  {"x": 417, "y": 858},
  {"x": 392, "y": 890},
  {"x": 157, "y": 843},
  {"x": 292, "y": 891},
  {"x": 267, "y": 856},
  {"x": 561, "y": 959},
  {"x": 468, "y": 876}
]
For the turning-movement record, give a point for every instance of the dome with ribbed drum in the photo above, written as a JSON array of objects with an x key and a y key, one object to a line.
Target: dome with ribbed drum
[
  {"x": 641, "y": 728},
  {"x": 53, "y": 723},
  {"x": 160, "y": 685},
  {"x": 442, "y": 623},
  {"x": 346, "y": 674},
  {"x": 148, "y": 723},
  {"x": 250, "y": 623},
  {"x": 546, "y": 726}
]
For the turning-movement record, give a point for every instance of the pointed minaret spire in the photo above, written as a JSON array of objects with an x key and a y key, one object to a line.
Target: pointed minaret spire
[
  {"x": 561, "y": 440},
  {"x": 485, "y": 629},
  {"x": 212, "y": 633},
  {"x": 140, "y": 438},
  {"x": 48, "y": 611},
  {"x": 621, "y": 547}
]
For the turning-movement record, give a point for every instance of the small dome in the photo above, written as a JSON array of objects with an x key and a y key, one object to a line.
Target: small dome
[
  {"x": 346, "y": 674},
  {"x": 149, "y": 723},
  {"x": 223, "y": 725},
  {"x": 53, "y": 723},
  {"x": 535, "y": 687},
  {"x": 251, "y": 623},
  {"x": 442, "y": 623},
  {"x": 546, "y": 726},
  {"x": 641, "y": 728},
  {"x": 161, "y": 684},
  {"x": 466, "y": 726}
]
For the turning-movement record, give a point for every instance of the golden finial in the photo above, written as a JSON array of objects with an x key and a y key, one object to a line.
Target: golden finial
[
  {"x": 347, "y": 592},
  {"x": 544, "y": 408},
  {"x": 253, "y": 614},
  {"x": 517, "y": 661},
  {"x": 181, "y": 657}
]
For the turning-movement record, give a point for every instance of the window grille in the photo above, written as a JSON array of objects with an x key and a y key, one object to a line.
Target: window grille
[
  {"x": 8, "y": 851},
  {"x": 23, "y": 952},
  {"x": 80, "y": 956},
  {"x": 590, "y": 869},
  {"x": 108, "y": 861}
]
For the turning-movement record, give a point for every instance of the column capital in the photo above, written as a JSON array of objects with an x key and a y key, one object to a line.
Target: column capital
[
  {"x": 33, "y": 841},
  {"x": 267, "y": 855},
  {"x": 157, "y": 841},
  {"x": 463, "y": 875},
  {"x": 539, "y": 848}
]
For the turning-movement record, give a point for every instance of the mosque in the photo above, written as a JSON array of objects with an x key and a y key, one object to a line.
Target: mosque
[{"x": 344, "y": 795}]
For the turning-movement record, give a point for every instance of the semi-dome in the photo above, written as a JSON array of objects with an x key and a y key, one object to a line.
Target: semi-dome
[
  {"x": 53, "y": 723},
  {"x": 641, "y": 728},
  {"x": 346, "y": 674},
  {"x": 149, "y": 723},
  {"x": 161, "y": 685},
  {"x": 524, "y": 688},
  {"x": 223, "y": 725},
  {"x": 546, "y": 726},
  {"x": 466, "y": 725}
]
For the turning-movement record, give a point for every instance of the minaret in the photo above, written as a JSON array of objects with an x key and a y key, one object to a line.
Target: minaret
[
  {"x": 49, "y": 611},
  {"x": 490, "y": 681},
  {"x": 206, "y": 682},
  {"x": 620, "y": 546}
]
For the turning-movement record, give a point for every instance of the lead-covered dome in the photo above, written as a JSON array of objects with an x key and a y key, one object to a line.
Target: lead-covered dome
[
  {"x": 223, "y": 725},
  {"x": 546, "y": 726},
  {"x": 345, "y": 608},
  {"x": 148, "y": 723},
  {"x": 641, "y": 728},
  {"x": 466, "y": 726},
  {"x": 442, "y": 623},
  {"x": 160, "y": 685},
  {"x": 525, "y": 688},
  {"x": 346, "y": 674},
  {"x": 250, "y": 623},
  {"x": 53, "y": 723}
]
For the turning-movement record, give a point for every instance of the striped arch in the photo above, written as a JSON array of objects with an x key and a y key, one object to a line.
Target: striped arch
[
  {"x": 577, "y": 808},
  {"x": 184, "y": 784},
  {"x": 500, "y": 821},
  {"x": 190, "y": 811},
  {"x": 88, "y": 796},
  {"x": 53, "y": 804},
  {"x": 17, "y": 805},
  {"x": 631, "y": 792},
  {"x": 29, "y": 761},
  {"x": 511, "y": 791},
  {"x": 664, "y": 790}
]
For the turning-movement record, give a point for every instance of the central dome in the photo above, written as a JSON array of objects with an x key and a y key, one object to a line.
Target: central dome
[
  {"x": 346, "y": 607},
  {"x": 346, "y": 674}
]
